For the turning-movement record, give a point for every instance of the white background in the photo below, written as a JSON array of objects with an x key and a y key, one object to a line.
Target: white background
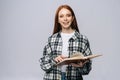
[{"x": 25, "y": 26}]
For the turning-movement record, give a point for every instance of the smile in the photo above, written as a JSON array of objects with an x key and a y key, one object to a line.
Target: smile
[{"x": 65, "y": 23}]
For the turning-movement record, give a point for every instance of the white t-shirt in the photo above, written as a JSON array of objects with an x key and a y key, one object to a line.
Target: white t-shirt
[{"x": 65, "y": 52}]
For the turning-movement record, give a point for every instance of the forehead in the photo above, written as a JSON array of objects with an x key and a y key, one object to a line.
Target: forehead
[{"x": 64, "y": 11}]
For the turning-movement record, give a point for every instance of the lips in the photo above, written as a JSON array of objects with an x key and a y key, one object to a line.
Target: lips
[{"x": 65, "y": 23}]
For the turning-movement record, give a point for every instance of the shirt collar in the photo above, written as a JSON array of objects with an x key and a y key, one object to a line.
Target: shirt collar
[{"x": 74, "y": 37}]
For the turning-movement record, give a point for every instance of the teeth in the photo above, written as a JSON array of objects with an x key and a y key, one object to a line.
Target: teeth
[{"x": 65, "y": 22}]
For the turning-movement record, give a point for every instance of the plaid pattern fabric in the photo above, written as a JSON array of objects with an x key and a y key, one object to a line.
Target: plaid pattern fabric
[{"x": 78, "y": 43}]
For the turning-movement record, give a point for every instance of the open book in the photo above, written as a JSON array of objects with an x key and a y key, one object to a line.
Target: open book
[{"x": 76, "y": 57}]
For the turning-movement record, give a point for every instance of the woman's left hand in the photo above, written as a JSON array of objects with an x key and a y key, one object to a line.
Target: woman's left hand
[{"x": 79, "y": 64}]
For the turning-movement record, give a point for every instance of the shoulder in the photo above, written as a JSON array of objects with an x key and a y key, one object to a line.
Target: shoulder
[
  {"x": 81, "y": 36},
  {"x": 84, "y": 39},
  {"x": 53, "y": 37}
]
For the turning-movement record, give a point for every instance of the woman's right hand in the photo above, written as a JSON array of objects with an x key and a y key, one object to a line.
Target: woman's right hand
[{"x": 60, "y": 58}]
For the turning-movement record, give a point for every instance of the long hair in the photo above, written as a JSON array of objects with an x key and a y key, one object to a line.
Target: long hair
[{"x": 57, "y": 26}]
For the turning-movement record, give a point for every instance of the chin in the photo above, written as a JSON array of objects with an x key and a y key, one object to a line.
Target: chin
[{"x": 67, "y": 26}]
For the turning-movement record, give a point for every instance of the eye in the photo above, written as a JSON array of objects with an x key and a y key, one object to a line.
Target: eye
[
  {"x": 61, "y": 16},
  {"x": 69, "y": 15}
]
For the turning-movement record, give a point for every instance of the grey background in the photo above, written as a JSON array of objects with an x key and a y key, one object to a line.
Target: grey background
[{"x": 25, "y": 26}]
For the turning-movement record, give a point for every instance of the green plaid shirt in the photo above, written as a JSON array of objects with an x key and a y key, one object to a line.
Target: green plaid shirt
[{"x": 77, "y": 43}]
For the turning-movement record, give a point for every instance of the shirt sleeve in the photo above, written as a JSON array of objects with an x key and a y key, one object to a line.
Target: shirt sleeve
[
  {"x": 87, "y": 67},
  {"x": 47, "y": 62}
]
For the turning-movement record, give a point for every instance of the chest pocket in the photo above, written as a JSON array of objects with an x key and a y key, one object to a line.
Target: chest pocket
[{"x": 56, "y": 47}]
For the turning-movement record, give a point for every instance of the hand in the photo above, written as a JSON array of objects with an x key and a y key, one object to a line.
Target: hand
[
  {"x": 60, "y": 58},
  {"x": 80, "y": 64}
]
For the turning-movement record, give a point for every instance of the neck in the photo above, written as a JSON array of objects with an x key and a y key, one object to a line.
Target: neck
[{"x": 68, "y": 30}]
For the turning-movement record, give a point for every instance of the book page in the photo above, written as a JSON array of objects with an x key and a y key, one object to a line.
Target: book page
[{"x": 76, "y": 57}]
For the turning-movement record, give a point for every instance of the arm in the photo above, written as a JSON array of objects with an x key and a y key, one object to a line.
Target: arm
[
  {"x": 87, "y": 66},
  {"x": 47, "y": 62}
]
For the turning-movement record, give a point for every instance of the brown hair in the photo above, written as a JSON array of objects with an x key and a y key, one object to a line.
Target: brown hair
[{"x": 57, "y": 26}]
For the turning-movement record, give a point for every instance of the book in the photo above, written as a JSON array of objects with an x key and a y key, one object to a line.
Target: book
[{"x": 76, "y": 57}]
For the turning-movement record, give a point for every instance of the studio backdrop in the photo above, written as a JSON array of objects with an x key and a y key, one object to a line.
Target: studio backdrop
[{"x": 25, "y": 26}]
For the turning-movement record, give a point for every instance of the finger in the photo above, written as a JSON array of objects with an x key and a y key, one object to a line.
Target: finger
[
  {"x": 85, "y": 62},
  {"x": 81, "y": 64},
  {"x": 75, "y": 65},
  {"x": 60, "y": 59},
  {"x": 56, "y": 59},
  {"x": 63, "y": 57}
]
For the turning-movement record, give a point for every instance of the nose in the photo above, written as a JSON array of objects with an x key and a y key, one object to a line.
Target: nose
[{"x": 65, "y": 18}]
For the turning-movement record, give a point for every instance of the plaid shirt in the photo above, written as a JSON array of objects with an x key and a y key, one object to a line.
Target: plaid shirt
[{"x": 78, "y": 43}]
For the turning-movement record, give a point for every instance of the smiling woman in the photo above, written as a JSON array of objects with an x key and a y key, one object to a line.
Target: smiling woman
[
  {"x": 64, "y": 42},
  {"x": 65, "y": 18},
  {"x": 65, "y": 11}
]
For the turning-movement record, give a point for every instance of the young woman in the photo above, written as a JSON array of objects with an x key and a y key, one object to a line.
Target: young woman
[{"x": 64, "y": 42}]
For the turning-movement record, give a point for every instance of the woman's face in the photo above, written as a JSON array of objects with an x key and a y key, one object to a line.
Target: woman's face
[{"x": 65, "y": 18}]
